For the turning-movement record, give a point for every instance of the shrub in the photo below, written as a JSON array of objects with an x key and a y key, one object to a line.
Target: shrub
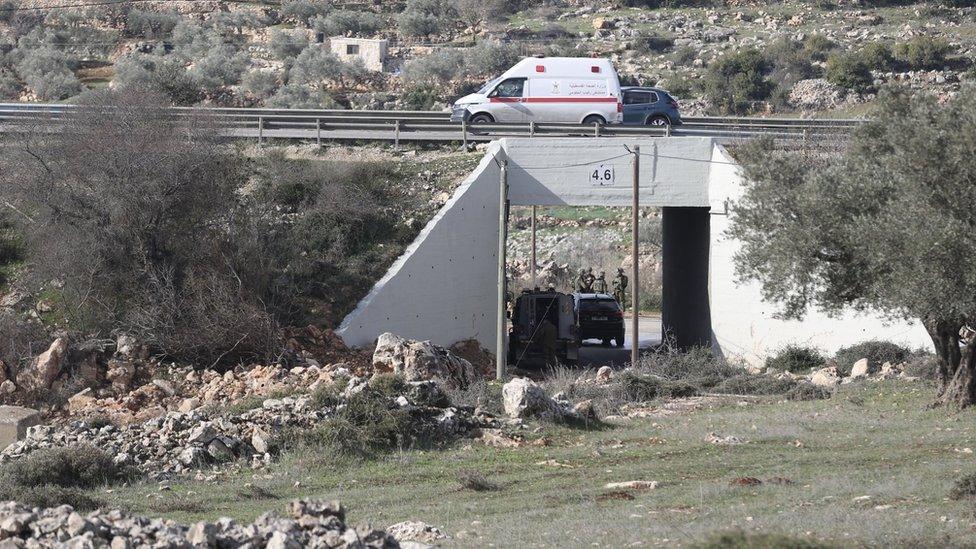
[
  {"x": 150, "y": 24},
  {"x": 747, "y": 384},
  {"x": 648, "y": 43},
  {"x": 818, "y": 46},
  {"x": 301, "y": 96},
  {"x": 964, "y": 487},
  {"x": 490, "y": 58},
  {"x": 849, "y": 71},
  {"x": 7, "y": 9},
  {"x": 192, "y": 41},
  {"x": 157, "y": 253},
  {"x": 304, "y": 11},
  {"x": 317, "y": 64},
  {"x": 426, "y": 17},
  {"x": 480, "y": 394},
  {"x": 876, "y": 351},
  {"x": 10, "y": 87},
  {"x": 741, "y": 540},
  {"x": 789, "y": 60},
  {"x": 808, "y": 391},
  {"x": 369, "y": 423},
  {"x": 923, "y": 53},
  {"x": 221, "y": 66},
  {"x": 736, "y": 80},
  {"x": 877, "y": 56},
  {"x": 473, "y": 480},
  {"x": 287, "y": 45},
  {"x": 435, "y": 70},
  {"x": 695, "y": 364},
  {"x": 47, "y": 73},
  {"x": 55, "y": 476},
  {"x": 341, "y": 22},
  {"x": 165, "y": 74},
  {"x": 260, "y": 83},
  {"x": 923, "y": 366},
  {"x": 234, "y": 22},
  {"x": 796, "y": 359}
]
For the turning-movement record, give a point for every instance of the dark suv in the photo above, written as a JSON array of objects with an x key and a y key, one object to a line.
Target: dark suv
[
  {"x": 650, "y": 107},
  {"x": 599, "y": 316}
]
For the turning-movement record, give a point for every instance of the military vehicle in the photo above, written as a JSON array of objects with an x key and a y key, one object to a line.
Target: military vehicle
[{"x": 526, "y": 341}]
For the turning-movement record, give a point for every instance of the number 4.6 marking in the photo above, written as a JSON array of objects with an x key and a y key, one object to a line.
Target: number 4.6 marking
[{"x": 601, "y": 176}]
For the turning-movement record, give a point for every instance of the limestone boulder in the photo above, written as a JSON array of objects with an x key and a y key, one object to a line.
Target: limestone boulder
[
  {"x": 47, "y": 366},
  {"x": 860, "y": 369},
  {"x": 825, "y": 377},
  {"x": 524, "y": 398},
  {"x": 14, "y": 422},
  {"x": 421, "y": 361}
]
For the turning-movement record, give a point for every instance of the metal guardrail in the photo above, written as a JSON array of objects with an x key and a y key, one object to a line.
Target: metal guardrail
[{"x": 396, "y": 126}]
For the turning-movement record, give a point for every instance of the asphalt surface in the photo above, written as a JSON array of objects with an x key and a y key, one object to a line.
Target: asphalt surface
[{"x": 594, "y": 355}]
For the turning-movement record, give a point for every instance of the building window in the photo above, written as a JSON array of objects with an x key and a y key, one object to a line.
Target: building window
[{"x": 352, "y": 49}]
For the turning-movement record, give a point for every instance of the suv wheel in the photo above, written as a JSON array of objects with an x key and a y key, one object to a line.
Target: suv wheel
[
  {"x": 659, "y": 121},
  {"x": 619, "y": 340},
  {"x": 594, "y": 119},
  {"x": 481, "y": 118}
]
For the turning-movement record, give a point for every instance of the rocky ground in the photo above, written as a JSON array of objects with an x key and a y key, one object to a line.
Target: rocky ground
[
  {"x": 310, "y": 523},
  {"x": 689, "y": 39}
]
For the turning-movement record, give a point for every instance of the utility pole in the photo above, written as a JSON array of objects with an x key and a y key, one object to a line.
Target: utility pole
[
  {"x": 534, "y": 282},
  {"x": 635, "y": 250},
  {"x": 500, "y": 355}
]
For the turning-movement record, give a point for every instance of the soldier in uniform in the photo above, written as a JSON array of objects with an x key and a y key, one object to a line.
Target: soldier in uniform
[
  {"x": 620, "y": 287},
  {"x": 580, "y": 282},
  {"x": 547, "y": 339},
  {"x": 590, "y": 279},
  {"x": 600, "y": 285}
]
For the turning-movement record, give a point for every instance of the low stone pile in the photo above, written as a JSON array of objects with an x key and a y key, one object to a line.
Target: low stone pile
[
  {"x": 861, "y": 370},
  {"x": 180, "y": 442},
  {"x": 310, "y": 523}
]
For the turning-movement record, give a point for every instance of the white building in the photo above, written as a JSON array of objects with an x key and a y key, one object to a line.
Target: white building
[{"x": 373, "y": 52}]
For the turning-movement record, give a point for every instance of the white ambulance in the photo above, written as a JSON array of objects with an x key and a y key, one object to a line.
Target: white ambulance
[{"x": 577, "y": 90}]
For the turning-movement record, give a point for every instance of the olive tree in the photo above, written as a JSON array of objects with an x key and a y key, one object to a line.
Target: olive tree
[{"x": 888, "y": 226}]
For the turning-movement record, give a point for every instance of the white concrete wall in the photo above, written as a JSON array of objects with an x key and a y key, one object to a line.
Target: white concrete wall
[
  {"x": 443, "y": 287},
  {"x": 744, "y": 326},
  {"x": 373, "y": 52},
  {"x": 556, "y": 171}
]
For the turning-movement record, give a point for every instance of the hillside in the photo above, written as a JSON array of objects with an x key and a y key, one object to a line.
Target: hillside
[{"x": 717, "y": 57}]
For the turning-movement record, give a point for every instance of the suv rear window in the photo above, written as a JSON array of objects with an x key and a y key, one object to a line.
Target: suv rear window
[{"x": 599, "y": 306}]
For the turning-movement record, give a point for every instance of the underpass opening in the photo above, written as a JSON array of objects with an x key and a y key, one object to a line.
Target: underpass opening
[{"x": 568, "y": 242}]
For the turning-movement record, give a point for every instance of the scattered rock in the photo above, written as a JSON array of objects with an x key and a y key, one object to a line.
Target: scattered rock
[
  {"x": 632, "y": 485},
  {"x": 860, "y": 369},
  {"x": 15, "y": 422},
  {"x": 745, "y": 481},
  {"x": 415, "y": 530},
  {"x": 81, "y": 400},
  {"x": 604, "y": 374},
  {"x": 729, "y": 440},
  {"x": 524, "y": 398},
  {"x": 421, "y": 360},
  {"x": 312, "y": 523},
  {"x": 47, "y": 366},
  {"x": 825, "y": 377}
]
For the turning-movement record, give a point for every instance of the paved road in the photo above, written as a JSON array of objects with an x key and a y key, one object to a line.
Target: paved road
[{"x": 593, "y": 355}]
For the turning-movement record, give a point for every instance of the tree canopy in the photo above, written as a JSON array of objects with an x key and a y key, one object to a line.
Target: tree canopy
[{"x": 888, "y": 225}]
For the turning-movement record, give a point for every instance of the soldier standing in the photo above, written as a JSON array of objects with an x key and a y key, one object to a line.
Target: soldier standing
[
  {"x": 580, "y": 282},
  {"x": 590, "y": 279},
  {"x": 547, "y": 339},
  {"x": 620, "y": 288},
  {"x": 600, "y": 285}
]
